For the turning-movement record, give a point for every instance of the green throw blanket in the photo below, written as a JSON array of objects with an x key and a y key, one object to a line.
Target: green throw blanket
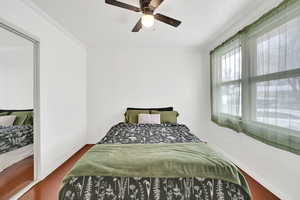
[{"x": 156, "y": 160}]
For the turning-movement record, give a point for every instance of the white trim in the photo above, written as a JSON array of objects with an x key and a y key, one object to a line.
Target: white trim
[
  {"x": 18, "y": 31},
  {"x": 36, "y": 112},
  {"x": 53, "y": 22},
  {"x": 36, "y": 93},
  {"x": 25, "y": 189},
  {"x": 36, "y": 181},
  {"x": 65, "y": 158},
  {"x": 252, "y": 173}
]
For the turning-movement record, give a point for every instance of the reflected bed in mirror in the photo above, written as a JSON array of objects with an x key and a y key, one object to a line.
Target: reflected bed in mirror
[{"x": 17, "y": 67}]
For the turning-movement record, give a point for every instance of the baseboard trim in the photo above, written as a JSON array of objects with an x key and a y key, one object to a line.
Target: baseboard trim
[
  {"x": 28, "y": 187},
  {"x": 252, "y": 173},
  {"x": 24, "y": 190}
]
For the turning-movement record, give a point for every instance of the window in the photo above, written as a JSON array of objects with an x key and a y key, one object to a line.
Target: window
[
  {"x": 230, "y": 86},
  {"x": 277, "y": 103},
  {"x": 227, "y": 80},
  {"x": 255, "y": 79},
  {"x": 274, "y": 76}
]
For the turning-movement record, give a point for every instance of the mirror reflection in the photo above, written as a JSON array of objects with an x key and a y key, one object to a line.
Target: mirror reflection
[{"x": 16, "y": 112}]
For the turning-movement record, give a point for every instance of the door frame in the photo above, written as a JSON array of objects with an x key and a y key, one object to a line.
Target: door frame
[{"x": 36, "y": 98}]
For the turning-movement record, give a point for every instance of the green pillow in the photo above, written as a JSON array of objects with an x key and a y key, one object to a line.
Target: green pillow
[
  {"x": 131, "y": 116},
  {"x": 4, "y": 113},
  {"x": 23, "y": 118},
  {"x": 167, "y": 116}
]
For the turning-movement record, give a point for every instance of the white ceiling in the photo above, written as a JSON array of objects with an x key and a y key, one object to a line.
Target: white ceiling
[{"x": 98, "y": 24}]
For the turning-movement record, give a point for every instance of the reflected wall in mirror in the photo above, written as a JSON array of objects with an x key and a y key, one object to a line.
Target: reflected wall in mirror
[{"x": 17, "y": 66}]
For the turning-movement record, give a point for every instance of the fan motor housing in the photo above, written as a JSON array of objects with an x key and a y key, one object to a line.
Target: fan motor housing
[
  {"x": 144, "y": 3},
  {"x": 147, "y": 11}
]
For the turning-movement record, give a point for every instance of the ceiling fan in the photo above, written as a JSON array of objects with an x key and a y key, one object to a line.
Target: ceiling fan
[{"x": 147, "y": 7}]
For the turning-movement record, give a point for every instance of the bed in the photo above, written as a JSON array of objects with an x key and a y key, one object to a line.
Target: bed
[
  {"x": 16, "y": 140},
  {"x": 140, "y": 176}
]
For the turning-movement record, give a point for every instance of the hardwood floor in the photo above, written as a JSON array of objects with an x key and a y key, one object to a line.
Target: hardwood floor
[
  {"x": 49, "y": 187},
  {"x": 258, "y": 191},
  {"x": 16, "y": 177}
]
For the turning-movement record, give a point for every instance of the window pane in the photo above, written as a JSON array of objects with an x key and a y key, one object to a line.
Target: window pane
[
  {"x": 231, "y": 99},
  {"x": 231, "y": 65},
  {"x": 278, "y": 103},
  {"x": 279, "y": 49}
]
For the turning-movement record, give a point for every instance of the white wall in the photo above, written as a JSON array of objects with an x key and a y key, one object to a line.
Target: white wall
[
  {"x": 16, "y": 76},
  {"x": 276, "y": 169},
  {"x": 62, "y": 85},
  {"x": 143, "y": 77}
]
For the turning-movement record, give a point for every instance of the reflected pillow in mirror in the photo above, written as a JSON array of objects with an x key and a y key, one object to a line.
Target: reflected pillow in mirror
[
  {"x": 7, "y": 120},
  {"x": 22, "y": 118}
]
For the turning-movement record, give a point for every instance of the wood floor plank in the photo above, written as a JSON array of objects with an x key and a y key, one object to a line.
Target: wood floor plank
[
  {"x": 257, "y": 190},
  {"x": 16, "y": 177},
  {"x": 48, "y": 188}
]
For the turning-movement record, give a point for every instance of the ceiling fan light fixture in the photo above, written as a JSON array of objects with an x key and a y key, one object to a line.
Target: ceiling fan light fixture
[
  {"x": 148, "y": 20},
  {"x": 148, "y": 8}
]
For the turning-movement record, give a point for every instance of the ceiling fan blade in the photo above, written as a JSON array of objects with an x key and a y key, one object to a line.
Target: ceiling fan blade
[
  {"x": 138, "y": 26},
  {"x": 155, "y": 3},
  {"x": 167, "y": 20},
  {"x": 123, "y": 5}
]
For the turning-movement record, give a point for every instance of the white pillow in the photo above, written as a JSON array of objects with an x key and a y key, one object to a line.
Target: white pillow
[
  {"x": 7, "y": 120},
  {"x": 149, "y": 118}
]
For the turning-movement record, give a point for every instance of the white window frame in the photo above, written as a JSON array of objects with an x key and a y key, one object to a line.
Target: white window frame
[
  {"x": 253, "y": 79},
  {"x": 232, "y": 82}
]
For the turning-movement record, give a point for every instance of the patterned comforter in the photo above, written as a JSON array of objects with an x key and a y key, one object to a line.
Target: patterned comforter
[
  {"x": 15, "y": 137},
  {"x": 146, "y": 188}
]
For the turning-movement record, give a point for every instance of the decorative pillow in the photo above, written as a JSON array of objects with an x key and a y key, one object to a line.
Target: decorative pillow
[
  {"x": 7, "y": 120},
  {"x": 131, "y": 116},
  {"x": 167, "y": 116},
  {"x": 158, "y": 109},
  {"x": 23, "y": 118},
  {"x": 149, "y": 118},
  {"x": 4, "y": 113}
]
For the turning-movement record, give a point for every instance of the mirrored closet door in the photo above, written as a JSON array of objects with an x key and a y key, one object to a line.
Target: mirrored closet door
[{"x": 17, "y": 69}]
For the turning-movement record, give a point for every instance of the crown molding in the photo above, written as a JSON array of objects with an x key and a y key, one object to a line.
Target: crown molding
[{"x": 53, "y": 22}]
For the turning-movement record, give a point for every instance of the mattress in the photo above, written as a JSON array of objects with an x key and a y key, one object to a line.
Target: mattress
[
  {"x": 150, "y": 188},
  {"x": 12, "y": 157}
]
